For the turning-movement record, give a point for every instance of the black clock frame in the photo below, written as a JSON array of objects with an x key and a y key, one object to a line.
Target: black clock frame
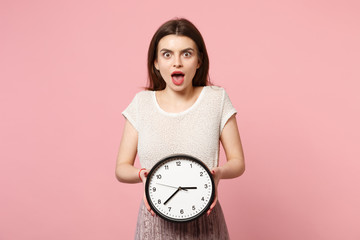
[{"x": 168, "y": 158}]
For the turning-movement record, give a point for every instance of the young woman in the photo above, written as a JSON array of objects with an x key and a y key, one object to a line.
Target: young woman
[{"x": 179, "y": 113}]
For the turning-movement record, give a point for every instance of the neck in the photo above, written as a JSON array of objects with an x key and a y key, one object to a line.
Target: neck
[
  {"x": 183, "y": 95},
  {"x": 177, "y": 101}
]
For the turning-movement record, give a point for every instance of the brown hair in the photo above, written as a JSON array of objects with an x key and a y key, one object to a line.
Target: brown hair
[{"x": 180, "y": 27}]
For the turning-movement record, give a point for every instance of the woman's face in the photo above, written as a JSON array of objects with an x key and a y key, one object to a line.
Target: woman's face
[{"x": 177, "y": 60}]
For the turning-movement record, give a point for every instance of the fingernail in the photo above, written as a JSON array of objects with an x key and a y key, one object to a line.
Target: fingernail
[{"x": 212, "y": 171}]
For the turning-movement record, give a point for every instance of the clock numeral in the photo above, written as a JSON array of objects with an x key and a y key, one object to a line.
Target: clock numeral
[
  {"x": 205, "y": 186},
  {"x": 154, "y": 189},
  {"x": 191, "y": 165},
  {"x": 158, "y": 176},
  {"x": 182, "y": 211},
  {"x": 193, "y": 207},
  {"x": 202, "y": 199},
  {"x": 201, "y": 174},
  {"x": 169, "y": 209},
  {"x": 178, "y": 163},
  {"x": 166, "y": 167},
  {"x": 159, "y": 201}
]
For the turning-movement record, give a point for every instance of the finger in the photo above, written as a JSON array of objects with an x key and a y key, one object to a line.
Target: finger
[
  {"x": 148, "y": 206},
  {"x": 212, "y": 205},
  {"x": 143, "y": 175},
  {"x": 149, "y": 209},
  {"x": 214, "y": 173},
  {"x": 145, "y": 199}
]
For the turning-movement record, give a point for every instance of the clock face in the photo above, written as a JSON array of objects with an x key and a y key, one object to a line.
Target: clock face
[{"x": 180, "y": 188}]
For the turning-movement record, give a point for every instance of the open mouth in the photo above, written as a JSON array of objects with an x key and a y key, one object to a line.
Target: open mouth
[{"x": 177, "y": 78}]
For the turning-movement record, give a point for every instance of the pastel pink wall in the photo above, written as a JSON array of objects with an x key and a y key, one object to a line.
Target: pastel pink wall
[{"x": 69, "y": 68}]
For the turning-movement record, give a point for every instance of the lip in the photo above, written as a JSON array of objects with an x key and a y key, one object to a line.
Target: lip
[{"x": 177, "y": 72}]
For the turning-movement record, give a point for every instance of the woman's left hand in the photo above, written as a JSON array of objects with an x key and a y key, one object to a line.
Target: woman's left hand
[{"x": 216, "y": 172}]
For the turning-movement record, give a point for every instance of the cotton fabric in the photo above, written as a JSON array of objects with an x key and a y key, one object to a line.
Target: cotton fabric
[{"x": 196, "y": 132}]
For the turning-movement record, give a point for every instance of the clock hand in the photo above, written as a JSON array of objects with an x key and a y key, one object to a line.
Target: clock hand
[
  {"x": 186, "y": 188},
  {"x": 169, "y": 186},
  {"x": 172, "y": 195}
]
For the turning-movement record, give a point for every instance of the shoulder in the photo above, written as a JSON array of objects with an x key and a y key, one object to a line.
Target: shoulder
[
  {"x": 215, "y": 88},
  {"x": 140, "y": 98},
  {"x": 216, "y": 92},
  {"x": 143, "y": 95}
]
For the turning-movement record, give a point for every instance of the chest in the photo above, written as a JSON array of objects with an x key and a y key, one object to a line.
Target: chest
[{"x": 195, "y": 134}]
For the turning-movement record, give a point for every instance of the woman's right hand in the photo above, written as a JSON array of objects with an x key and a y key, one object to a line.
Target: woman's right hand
[{"x": 143, "y": 176}]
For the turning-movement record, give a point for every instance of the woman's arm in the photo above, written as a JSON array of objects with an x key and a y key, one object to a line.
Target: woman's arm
[
  {"x": 235, "y": 165},
  {"x": 125, "y": 170},
  {"x": 230, "y": 139}
]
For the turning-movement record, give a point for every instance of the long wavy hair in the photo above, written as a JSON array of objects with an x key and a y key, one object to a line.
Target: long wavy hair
[{"x": 179, "y": 27}]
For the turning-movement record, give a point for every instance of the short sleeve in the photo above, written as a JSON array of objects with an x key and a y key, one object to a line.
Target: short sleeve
[
  {"x": 131, "y": 112},
  {"x": 227, "y": 110}
]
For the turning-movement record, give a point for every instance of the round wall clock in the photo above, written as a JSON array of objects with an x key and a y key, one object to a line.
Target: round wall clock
[{"x": 180, "y": 188}]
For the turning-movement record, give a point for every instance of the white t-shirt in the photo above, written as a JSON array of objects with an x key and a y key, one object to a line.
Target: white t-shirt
[{"x": 195, "y": 131}]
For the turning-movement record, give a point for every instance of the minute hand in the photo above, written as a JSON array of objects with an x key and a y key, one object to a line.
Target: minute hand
[
  {"x": 179, "y": 188},
  {"x": 169, "y": 186}
]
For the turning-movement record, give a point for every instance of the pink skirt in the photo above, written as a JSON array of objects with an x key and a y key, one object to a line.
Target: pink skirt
[{"x": 212, "y": 227}]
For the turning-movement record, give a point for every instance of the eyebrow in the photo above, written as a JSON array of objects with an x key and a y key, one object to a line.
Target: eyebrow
[{"x": 184, "y": 50}]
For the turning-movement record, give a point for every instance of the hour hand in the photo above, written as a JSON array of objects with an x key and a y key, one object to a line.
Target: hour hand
[{"x": 186, "y": 188}]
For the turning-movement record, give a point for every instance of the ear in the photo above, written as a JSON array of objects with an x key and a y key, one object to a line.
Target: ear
[
  {"x": 199, "y": 61},
  {"x": 199, "y": 64},
  {"x": 156, "y": 64}
]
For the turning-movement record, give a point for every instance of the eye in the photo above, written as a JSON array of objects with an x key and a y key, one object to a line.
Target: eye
[
  {"x": 166, "y": 54},
  {"x": 187, "y": 54}
]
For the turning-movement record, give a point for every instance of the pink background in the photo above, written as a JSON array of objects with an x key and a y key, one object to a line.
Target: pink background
[{"x": 69, "y": 68}]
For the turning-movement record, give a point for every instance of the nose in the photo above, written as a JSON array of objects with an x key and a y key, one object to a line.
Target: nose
[{"x": 177, "y": 62}]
